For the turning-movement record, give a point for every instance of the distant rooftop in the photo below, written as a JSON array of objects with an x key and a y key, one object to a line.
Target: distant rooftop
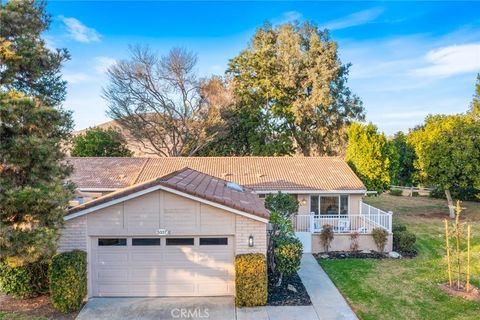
[{"x": 258, "y": 173}]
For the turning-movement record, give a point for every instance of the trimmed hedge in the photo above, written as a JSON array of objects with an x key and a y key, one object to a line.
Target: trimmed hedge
[
  {"x": 251, "y": 280},
  {"x": 404, "y": 241},
  {"x": 24, "y": 281},
  {"x": 288, "y": 254},
  {"x": 398, "y": 227},
  {"x": 68, "y": 280}
]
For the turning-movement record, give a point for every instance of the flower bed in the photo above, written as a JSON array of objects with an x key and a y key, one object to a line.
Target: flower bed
[
  {"x": 283, "y": 296},
  {"x": 360, "y": 255}
]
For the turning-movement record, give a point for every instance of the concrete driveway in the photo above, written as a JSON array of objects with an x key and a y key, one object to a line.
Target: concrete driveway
[{"x": 211, "y": 308}]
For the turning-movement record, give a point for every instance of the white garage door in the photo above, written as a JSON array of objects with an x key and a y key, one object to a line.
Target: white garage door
[{"x": 172, "y": 266}]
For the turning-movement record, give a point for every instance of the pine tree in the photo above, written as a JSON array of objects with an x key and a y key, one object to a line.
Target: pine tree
[{"x": 33, "y": 191}]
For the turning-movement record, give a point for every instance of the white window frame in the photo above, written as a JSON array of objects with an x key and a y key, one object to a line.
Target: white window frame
[{"x": 329, "y": 195}]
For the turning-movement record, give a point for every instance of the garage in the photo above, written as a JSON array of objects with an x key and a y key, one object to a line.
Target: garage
[
  {"x": 168, "y": 266},
  {"x": 173, "y": 236}
]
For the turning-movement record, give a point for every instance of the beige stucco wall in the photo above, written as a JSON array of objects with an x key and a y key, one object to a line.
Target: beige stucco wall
[
  {"x": 354, "y": 203},
  {"x": 341, "y": 242},
  {"x": 146, "y": 214},
  {"x": 303, "y": 204}
]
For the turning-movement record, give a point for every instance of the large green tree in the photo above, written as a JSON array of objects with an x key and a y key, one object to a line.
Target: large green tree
[
  {"x": 291, "y": 93},
  {"x": 368, "y": 154},
  {"x": 448, "y": 153},
  {"x": 98, "y": 142},
  {"x": 402, "y": 156},
  {"x": 33, "y": 194}
]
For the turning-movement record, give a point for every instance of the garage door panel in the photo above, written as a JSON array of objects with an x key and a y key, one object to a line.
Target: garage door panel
[
  {"x": 212, "y": 288},
  {"x": 176, "y": 258},
  {"x": 148, "y": 257},
  {"x": 111, "y": 258},
  {"x": 163, "y": 270},
  {"x": 111, "y": 275}
]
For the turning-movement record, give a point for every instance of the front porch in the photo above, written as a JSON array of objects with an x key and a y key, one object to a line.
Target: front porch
[{"x": 308, "y": 227}]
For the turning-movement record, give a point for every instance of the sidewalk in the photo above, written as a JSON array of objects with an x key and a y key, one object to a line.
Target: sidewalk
[{"x": 326, "y": 299}]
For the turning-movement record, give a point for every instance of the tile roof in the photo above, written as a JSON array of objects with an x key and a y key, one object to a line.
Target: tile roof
[
  {"x": 259, "y": 173},
  {"x": 194, "y": 183},
  {"x": 105, "y": 173}
]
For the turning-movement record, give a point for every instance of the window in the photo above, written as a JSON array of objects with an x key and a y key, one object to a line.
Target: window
[
  {"x": 145, "y": 241},
  {"x": 329, "y": 205},
  {"x": 262, "y": 195},
  {"x": 344, "y": 204},
  {"x": 112, "y": 242},
  {"x": 213, "y": 241},
  {"x": 314, "y": 204},
  {"x": 179, "y": 242}
]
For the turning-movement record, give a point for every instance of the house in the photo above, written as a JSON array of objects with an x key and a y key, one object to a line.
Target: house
[
  {"x": 191, "y": 216},
  {"x": 176, "y": 235}
]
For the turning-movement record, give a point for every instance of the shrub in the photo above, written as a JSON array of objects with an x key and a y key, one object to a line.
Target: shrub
[
  {"x": 326, "y": 236},
  {"x": 288, "y": 254},
  {"x": 251, "y": 280},
  {"x": 380, "y": 236},
  {"x": 354, "y": 241},
  {"x": 404, "y": 241},
  {"x": 398, "y": 227},
  {"x": 24, "y": 281},
  {"x": 68, "y": 280},
  {"x": 282, "y": 226},
  {"x": 396, "y": 192},
  {"x": 281, "y": 203}
]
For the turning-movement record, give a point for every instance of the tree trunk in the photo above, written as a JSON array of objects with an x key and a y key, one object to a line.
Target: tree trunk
[{"x": 451, "y": 207}]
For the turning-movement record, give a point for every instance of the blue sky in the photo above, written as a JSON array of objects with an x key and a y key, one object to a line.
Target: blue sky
[{"x": 408, "y": 59}]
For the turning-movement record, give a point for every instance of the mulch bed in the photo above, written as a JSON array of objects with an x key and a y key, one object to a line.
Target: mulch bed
[
  {"x": 282, "y": 296},
  {"x": 472, "y": 295},
  {"x": 334, "y": 255},
  {"x": 39, "y": 306}
]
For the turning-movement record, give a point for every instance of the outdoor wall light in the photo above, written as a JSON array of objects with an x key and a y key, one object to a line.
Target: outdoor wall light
[
  {"x": 250, "y": 241},
  {"x": 304, "y": 201}
]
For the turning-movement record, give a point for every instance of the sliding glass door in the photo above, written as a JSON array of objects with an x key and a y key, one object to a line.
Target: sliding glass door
[{"x": 329, "y": 204}]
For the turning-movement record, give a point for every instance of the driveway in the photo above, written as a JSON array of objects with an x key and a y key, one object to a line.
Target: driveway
[
  {"x": 211, "y": 308},
  {"x": 327, "y": 304}
]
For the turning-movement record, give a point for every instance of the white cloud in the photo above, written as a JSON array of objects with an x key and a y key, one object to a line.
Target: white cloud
[
  {"x": 286, "y": 17},
  {"x": 354, "y": 19},
  {"x": 76, "y": 77},
  {"x": 103, "y": 63},
  {"x": 450, "y": 60},
  {"x": 80, "y": 32}
]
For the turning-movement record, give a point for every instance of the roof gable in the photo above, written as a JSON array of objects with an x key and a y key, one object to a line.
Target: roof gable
[{"x": 185, "y": 182}]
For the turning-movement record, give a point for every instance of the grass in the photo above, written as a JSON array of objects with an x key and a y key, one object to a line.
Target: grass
[
  {"x": 17, "y": 316},
  {"x": 408, "y": 288}
]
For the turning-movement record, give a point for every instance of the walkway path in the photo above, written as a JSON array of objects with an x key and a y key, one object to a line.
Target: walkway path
[
  {"x": 327, "y": 302},
  {"x": 326, "y": 299}
]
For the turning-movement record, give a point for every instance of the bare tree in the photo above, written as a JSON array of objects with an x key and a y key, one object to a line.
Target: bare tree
[{"x": 161, "y": 102}]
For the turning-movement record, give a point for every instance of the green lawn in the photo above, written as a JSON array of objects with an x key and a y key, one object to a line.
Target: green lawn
[
  {"x": 407, "y": 289},
  {"x": 15, "y": 316}
]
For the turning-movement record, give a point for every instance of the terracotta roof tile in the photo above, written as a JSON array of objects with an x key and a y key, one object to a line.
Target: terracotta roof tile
[
  {"x": 258, "y": 173},
  {"x": 196, "y": 184}
]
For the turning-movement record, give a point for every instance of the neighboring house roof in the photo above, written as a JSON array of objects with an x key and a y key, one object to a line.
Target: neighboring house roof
[
  {"x": 194, "y": 183},
  {"x": 263, "y": 174}
]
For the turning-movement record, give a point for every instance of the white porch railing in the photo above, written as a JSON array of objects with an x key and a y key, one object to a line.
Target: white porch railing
[{"x": 368, "y": 219}]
